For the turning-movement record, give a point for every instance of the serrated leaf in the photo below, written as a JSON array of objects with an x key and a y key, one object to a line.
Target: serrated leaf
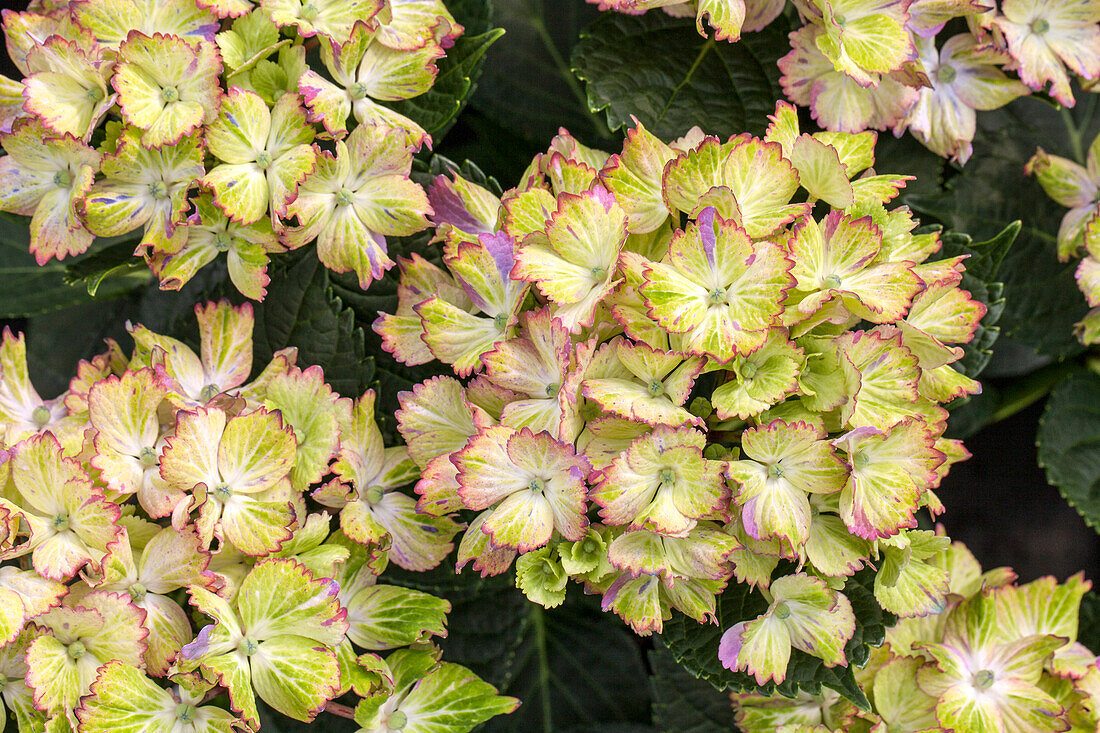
[
  {"x": 683, "y": 703},
  {"x": 436, "y": 109},
  {"x": 1042, "y": 302},
  {"x": 301, "y": 310},
  {"x": 980, "y": 279},
  {"x": 695, "y": 645},
  {"x": 1069, "y": 433},
  {"x": 573, "y": 667},
  {"x": 659, "y": 69}
]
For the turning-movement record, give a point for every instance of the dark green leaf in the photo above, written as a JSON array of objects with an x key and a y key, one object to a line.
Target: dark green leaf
[
  {"x": 661, "y": 70},
  {"x": 116, "y": 260},
  {"x": 980, "y": 279},
  {"x": 475, "y": 16},
  {"x": 573, "y": 667},
  {"x": 1042, "y": 302},
  {"x": 1088, "y": 628},
  {"x": 695, "y": 645},
  {"x": 527, "y": 86},
  {"x": 29, "y": 288},
  {"x": 436, "y": 109},
  {"x": 1069, "y": 443},
  {"x": 683, "y": 703},
  {"x": 301, "y": 310}
]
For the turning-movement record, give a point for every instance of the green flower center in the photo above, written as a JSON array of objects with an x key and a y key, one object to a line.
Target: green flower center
[
  {"x": 169, "y": 94},
  {"x": 1039, "y": 26},
  {"x": 148, "y": 457},
  {"x": 185, "y": 713},
  {"x": 222, "y": 240},
  {"x": 748, "y": 370},
  {"x": 137, "y": 592},
  {"x": 552, "y": 389},
  {"x": 94, "y": 94},
  {"x": 158, "y": 190},
  {"x": 222, "y": 492},
  {"x": 309, "y": 11},
  {"x": 547, "y": 569},
  {"x": 344, "y": 197},
  {"x": 984, "y": 679},
  {"x": 832, "y": 282},
  {"x": 782, "y": 611},
  {"x": 501, "y": 322},
  {"x": 946, "y": 74},
  {"x": 718, "y": 296},
  {"x": 588, "y": 547},
  {"x": 775, "y": 471},
  {"x": 397, "y": 720},
  {"x": 60, "y": 523},
  {"x": 839, "y": 19},
  {"x": 599, "y": 272},
  {"x": 209, "y": 392},
  {"x": 667, "y": 476},
  {"x": 374, "y": 494},
  {"x": 40, "y": 415},
  {"x": 248, "y": 646},
  {"x": 537, "y": 485},
  {"x": 656, "y": 388},
  {"x": 358, "y": 90},
  {"x": 77, "y": 650},
  {"x": 62, "y": 179},
  {"x": 861, "y": 460}
]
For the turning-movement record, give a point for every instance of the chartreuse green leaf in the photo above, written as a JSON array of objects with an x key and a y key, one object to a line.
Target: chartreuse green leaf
[
  {"x": 1068, "y": 434},
  {"x": 695, "y": 645},
  {"x": 660, "y": 70}
]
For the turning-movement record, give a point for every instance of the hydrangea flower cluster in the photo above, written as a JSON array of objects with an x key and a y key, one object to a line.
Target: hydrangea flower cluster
[
  {"x": 157, "y": 548},
  {"x": 1001, "y": 657},
  {"x": 679, "y": 365},
  {"x": 1077, "y": 187},
  {"x": 886, "y": 65},
  {"x": 199, "y": 124}
]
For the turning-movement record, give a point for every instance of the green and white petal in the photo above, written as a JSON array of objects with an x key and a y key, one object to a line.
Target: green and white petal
[
  {"x": 280, "y": 597},
  {"x": 295, "y": 675},
  {"x": 387, "y": 617}
]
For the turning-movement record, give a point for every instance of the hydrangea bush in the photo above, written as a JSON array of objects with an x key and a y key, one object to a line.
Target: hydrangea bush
[
  {"x": 691, "y": 398},
  {"x": 892, "y": 66},
  {"x": 156, "y": 530},
  {"x": 126, "y": 107}
]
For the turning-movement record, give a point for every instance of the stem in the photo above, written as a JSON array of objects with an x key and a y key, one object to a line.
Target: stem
[
  {"x": 1032, "y": 388},
  {"x": 1074, "y": 135},
  {"x": 340, "y": 710},
  {"x": 566, "y": 73},
  {"x": 539, "y": 623}
]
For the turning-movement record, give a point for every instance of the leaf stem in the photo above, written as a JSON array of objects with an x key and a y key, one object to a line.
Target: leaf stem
[
  {"x": 1074, "y": 134},
  {"x": 339, "y": 709},
  {"x": 566, "y": 73},
  {"x": 539, "y": 623},
  {"x": 1027, "y": 391}
]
